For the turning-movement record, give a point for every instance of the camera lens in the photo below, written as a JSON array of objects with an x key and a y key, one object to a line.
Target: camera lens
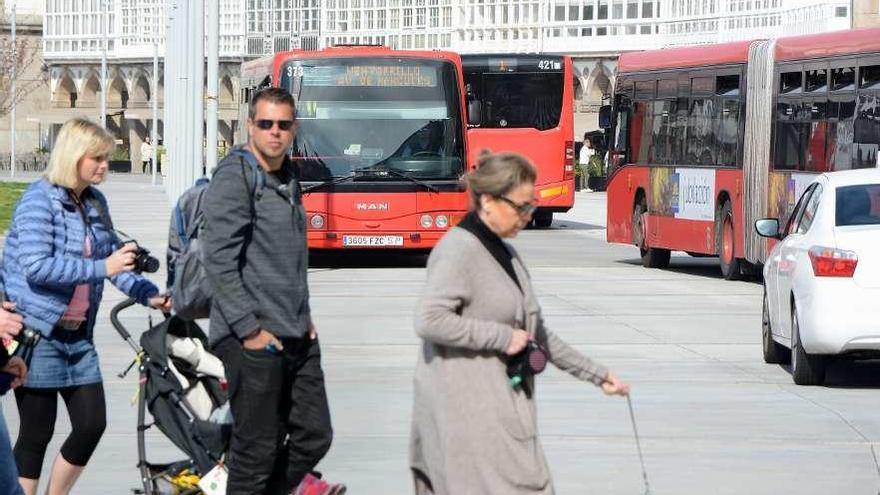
[{"x": 143, "y": 262}]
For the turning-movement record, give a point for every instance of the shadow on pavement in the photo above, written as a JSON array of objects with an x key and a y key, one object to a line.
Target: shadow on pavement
[
  {"x": 367, "y": 259},
  {"x": 573, "y": 225},
  {"x": 702, "y": 267},
  {"x": 843, "y": 373}
]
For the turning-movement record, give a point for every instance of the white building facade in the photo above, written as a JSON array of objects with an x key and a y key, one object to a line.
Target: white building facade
[{"x": 72, "y": 49}]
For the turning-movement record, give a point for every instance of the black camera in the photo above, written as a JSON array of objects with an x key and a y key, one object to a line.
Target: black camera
[
  {"x": 529, "y": 362},
  {"x": 143, "y": 261},
  {"x": 27, "y": 339}
]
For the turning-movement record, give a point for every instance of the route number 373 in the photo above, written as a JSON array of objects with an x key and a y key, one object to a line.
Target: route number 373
[{"x": 295, "y": 71}]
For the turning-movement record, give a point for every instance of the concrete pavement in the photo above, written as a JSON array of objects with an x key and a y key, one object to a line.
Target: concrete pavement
[{"x": 713, "y": 418}]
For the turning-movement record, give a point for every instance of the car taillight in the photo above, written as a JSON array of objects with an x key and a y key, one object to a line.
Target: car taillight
[
  {"x": 569, "y": 160},
  {"x": 830, "y": 262}
]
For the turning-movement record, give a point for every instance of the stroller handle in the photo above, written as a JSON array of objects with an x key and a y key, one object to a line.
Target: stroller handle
[{"x": 120, "y": 328}]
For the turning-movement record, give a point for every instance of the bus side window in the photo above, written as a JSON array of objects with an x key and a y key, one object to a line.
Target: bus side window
[{"x": 619, "y": 154}]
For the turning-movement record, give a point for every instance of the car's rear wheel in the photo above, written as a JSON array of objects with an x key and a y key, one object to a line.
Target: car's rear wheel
[
  {"x": 806, "y": 368},
  {"x": 651, "y": 257},
  {"x": 774, "y": 352}
]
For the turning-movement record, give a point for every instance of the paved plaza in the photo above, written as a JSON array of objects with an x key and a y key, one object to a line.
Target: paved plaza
[{"x": 714, "y": 419}]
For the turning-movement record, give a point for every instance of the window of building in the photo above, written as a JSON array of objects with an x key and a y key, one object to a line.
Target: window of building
[
  {"x": 647, "y": 10},
  {"x": 840, "y": 12},
  {"x": 617, "y": 9},
  {"x": 559, "y": 13},
  {"x": 603, "y": 9},
  {"x": 632, "y": 9},
  {"x": 587, "y": 13}
]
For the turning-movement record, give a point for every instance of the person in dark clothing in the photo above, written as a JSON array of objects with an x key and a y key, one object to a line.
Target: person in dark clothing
[
  {"x": 10, "y": 326},
  {"x": 256, "y": 260}
]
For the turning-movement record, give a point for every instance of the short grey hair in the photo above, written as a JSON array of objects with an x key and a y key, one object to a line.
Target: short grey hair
[{"x": 498, "y": 174}]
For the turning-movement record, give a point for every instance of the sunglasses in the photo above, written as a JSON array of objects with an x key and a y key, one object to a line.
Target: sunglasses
[
  {"x": 524, "y": 209},
  {"x": 266, "y": 124}
]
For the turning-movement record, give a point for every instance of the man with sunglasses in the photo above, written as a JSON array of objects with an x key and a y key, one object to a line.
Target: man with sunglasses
[{"x": 256, "y": 259}]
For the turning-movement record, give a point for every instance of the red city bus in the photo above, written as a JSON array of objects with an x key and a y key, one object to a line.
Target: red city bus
[
  {"x": 708, "y": 139},
  {"x": 380, "y": 146},
  {"x": 525, "y": 103}
]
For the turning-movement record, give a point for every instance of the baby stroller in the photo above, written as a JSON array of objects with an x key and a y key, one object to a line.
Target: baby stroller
[{"x": 182, "y": 386}]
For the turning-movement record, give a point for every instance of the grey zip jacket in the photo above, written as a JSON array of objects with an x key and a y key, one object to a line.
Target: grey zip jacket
[{"x": 254, "y": 251}]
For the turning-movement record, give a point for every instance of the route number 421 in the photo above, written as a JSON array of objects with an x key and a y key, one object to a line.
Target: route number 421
[{"x": 548, "y": 65}]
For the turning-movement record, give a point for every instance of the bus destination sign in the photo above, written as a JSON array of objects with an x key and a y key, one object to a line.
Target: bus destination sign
[{"x": 388, "y": 76}]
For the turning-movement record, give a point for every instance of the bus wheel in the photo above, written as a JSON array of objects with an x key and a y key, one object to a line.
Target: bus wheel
[
  {"x": 543, "y": 219},
  {"x": 730, "y": 265},
  {"x": 651, "y": 257}
]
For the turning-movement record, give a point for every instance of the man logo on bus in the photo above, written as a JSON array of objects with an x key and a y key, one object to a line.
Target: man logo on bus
[{"x": 372, "y": 207}]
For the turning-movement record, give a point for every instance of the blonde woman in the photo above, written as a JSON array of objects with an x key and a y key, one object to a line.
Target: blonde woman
[
  {"x": 59, "y": 250},
  {"x": 474, "y": 431}
]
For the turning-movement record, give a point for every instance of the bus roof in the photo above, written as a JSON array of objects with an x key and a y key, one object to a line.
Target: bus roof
[
  {"x": 512, "y": 62},
  {"x": 849, "y": 42},
  {"x": 366, "y": 51},
  {"x": 687, "y": 56}
]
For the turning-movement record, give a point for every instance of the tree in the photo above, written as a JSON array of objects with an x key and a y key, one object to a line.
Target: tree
[{"x": 21, "y": 56}]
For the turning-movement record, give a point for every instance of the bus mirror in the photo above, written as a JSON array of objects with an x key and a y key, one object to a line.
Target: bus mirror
[
  {"x": 605, "y": 117},
  {"x": 474, "y": 110}
]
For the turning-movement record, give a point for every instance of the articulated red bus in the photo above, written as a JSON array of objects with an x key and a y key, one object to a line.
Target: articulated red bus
[
  {"x": 708, "y": 139},
  {"x": 525, "y": 103},
  {"x": 381, "y": 142}
]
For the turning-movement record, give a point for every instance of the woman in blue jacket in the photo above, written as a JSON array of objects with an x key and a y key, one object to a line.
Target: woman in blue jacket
[{"x": 59, "y": 249}]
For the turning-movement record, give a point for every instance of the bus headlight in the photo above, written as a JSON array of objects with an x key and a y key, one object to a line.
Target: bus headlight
[
  {"x": 317, "y": 221},
  {"x": 427, "y": 221},
  {"x": 441, "y": 221}
]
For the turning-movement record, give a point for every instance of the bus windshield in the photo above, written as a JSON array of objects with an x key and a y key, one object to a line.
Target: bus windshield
[
  {"x": 356, "y": 115},
  {"x": 518, "y": 100}
]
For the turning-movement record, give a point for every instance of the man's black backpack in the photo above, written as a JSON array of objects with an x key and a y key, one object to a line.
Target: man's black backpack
[{"x": 190, "y": 290}]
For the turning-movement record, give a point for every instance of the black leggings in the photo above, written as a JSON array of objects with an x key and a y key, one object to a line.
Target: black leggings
[{"x": 37, "y": 408}]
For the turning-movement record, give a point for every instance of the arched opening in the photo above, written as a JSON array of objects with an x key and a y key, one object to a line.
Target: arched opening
[
  {"x": 601, "y": 87},
  {"x": 117, "y": 94},
  {"x": 141, "y": 90},
  {"x": 90, "y": 90},
  {"x": 65, "y": 95},
  {"x": 227, "y": 92}
]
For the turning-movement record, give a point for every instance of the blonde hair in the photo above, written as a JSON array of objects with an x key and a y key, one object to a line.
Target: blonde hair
[
  {"x": 77, "y": 139},
  {"x": 498, "y": 174}
]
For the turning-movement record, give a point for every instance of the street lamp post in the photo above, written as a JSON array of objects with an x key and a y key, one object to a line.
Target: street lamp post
[
  {"x": 105, "y": 28},
  {"x": 13, "y": 95},
  {"x": 154, "y": 95}
]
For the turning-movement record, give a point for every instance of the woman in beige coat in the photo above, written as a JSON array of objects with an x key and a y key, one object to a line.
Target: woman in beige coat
[{"x": 473, "y": 432}]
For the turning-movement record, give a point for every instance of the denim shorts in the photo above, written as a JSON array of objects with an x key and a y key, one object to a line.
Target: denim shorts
[{"x": 65, "y": 359}]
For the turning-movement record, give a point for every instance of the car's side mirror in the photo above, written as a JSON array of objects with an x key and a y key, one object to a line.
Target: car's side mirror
[
  {"x": 474, "y": 109},
  {"x": 605, "y": 117},
  {"x": 768, "y": 227}
]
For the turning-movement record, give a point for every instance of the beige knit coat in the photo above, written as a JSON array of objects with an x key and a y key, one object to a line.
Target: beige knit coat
[{"x": 472, "y": 433}]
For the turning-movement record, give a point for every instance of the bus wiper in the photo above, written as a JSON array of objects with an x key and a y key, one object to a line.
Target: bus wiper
[
  {"x": 379, "y": 171},
  {"x": 398, "y": 173},
  {"x": 344, "y": 178}
]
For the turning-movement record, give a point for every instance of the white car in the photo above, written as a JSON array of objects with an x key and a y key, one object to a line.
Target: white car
[{"x": 822, "y": 279}]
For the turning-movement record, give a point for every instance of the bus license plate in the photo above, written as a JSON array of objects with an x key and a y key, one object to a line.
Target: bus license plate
[{"x": 372, "y": 240}]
